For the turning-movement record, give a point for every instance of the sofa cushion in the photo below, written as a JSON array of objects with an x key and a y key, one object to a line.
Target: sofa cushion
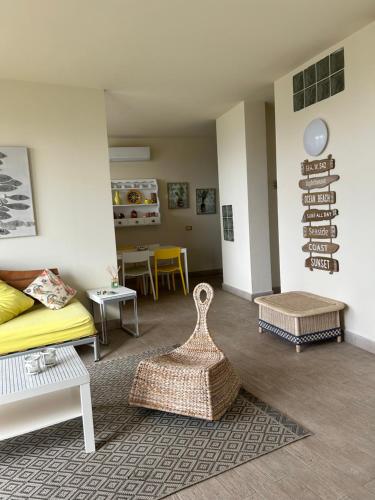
[
  {"x": 21, "y": 279},
  {"x": 40, "y": 326},
  {"x": 50, "y": 290},
  {"x": 12, "y": 302}
]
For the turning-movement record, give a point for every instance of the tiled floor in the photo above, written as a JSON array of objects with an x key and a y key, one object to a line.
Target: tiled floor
[{"x": 329, "y": 388}]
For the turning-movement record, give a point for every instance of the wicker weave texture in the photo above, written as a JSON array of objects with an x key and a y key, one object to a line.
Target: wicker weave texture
[
  {"x": 299, "y": 326},
  {"x": 318, "y": 323},
  {"x": 195, "y": 379},
  {"x": 277, "y": 318}
]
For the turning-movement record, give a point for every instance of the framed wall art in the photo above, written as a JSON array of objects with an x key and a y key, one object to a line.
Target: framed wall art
[
  {"x": 178, "y": 194},
  {"x": 206, "y": 201},
  {"x": 16, "y": 202}
]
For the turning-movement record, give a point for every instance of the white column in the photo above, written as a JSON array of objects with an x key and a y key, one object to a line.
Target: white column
[
  {"x": 242, "y": 168},
  {"x": 257, "y": 185}
]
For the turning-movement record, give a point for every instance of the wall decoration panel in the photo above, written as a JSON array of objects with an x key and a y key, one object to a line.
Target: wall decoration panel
[
  {"x": 227, "y": 214},
  {"x": 310, "y": 169},
  {"x": 319, "y": 81},
  {"x": 16, "y": 201}
]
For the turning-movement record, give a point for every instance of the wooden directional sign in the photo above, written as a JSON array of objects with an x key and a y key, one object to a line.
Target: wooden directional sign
[
  {"x": 317, "y": 166},
  {"x": 320, "y": 247},
  {"x": 318, "y": 182},
  {"x": 314, "y": 215},
  {"x": 319, "y": 232},
  {"x": 324, "y": 198},
  {"x": 323, "y": 263}
]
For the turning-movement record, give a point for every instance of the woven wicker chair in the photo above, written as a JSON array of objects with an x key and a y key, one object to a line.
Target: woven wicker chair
[{"x": 195, "y": 379}]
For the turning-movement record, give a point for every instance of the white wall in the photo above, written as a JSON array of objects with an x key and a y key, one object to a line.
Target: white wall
[
  {"x": 350, "y": 116},
  {"x": 242, "y": 164},
  {"x": 184, "y": 159},
  {"x": 64, "y": 130}
]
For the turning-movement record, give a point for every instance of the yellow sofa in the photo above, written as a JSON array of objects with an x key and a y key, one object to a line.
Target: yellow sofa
[{"x": 40, "y": 326}]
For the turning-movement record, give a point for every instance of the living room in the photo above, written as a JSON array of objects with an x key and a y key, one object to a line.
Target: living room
[{"x": 260, "y": 163}]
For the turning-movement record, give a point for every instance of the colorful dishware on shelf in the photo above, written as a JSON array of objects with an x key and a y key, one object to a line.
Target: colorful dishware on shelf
[
  {"x": 116, "y": 198},
  {"x": 133, "y": 201},
  {"x": 134, "y": 197}
]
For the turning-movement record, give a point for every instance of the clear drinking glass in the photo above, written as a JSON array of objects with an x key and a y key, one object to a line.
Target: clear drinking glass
[
  {"x": 49, "y": 356},
  {"x": 33, "y": 364}
]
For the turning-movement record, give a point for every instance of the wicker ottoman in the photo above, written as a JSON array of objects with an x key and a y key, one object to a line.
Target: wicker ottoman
[{"x": 300, "y": 317}]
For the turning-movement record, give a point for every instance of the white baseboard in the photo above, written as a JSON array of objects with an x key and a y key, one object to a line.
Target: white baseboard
[
  {"x": 244, "y": 295},
  {"x": 261, "y": 294},
  {"x": 359, "y": 341}
]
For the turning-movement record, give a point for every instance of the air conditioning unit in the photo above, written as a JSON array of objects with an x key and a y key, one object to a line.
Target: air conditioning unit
[{"x": 139, "y": 153}]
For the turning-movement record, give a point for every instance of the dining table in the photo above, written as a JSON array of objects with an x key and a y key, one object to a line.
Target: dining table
[{"x": 151, "y": 249}]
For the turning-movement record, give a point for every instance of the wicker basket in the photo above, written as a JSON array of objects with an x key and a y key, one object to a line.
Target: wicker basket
[
  {"x": 300, "y": 317},
  {"x": 195, "y": 379}
]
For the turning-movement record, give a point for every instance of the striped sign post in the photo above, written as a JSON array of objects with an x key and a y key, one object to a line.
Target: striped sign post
[
  {"x": 317, "y": 166},
  {"x": 320, "y": 247},
  {"x": 324, "y": 198},
  {"x": 324, "y": 212},
  {"x": 320, "y": 232},
  {"x": 322, "y": 263},
  {"x": 315, "y": 215},
  {"x": 318, "y": 182}
]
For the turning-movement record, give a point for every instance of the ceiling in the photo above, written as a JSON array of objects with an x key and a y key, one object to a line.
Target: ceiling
[{"x": 170, "y": 67}]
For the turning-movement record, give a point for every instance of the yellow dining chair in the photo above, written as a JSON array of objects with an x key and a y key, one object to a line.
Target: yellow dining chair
[{"x": 172, "y": 254}]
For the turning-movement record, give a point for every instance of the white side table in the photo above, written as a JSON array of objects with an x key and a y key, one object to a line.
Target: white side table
[
  {"x": 106, "y": 295},
  {"x": 57, "y": 394}
]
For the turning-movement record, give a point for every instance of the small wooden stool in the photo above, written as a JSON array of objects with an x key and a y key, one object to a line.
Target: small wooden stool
[{"x": 300, "y": 317}]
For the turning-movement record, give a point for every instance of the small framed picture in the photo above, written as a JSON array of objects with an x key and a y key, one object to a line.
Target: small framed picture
[
  {"x": 206, "y": 201},
  {"x": 178, "y": 194}
]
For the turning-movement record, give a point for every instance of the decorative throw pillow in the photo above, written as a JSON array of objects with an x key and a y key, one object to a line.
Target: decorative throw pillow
[
  {"x": 12, "y": 302},
  {"x": 50, "y": 290}
]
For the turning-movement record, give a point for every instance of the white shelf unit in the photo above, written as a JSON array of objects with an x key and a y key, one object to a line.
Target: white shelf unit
[{"x": 147, "y": 213}]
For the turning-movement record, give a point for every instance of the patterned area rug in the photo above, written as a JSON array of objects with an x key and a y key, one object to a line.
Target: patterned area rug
[{"x": 141, "y": 454}]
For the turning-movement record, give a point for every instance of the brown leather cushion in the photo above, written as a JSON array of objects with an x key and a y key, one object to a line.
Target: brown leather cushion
[{"x": 21, "y": 279}]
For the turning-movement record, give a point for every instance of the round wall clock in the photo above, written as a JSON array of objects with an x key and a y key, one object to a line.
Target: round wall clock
[
  {"x": 315, "y": 137},
  {"x": 134, "y": 197}
]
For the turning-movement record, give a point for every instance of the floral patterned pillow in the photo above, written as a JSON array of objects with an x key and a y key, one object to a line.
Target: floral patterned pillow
[{"x": 50, "y": 290}]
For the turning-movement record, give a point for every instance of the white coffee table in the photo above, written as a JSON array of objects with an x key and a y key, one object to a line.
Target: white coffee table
[
  {"x": 107, "y": 295},
  {"x": 57, "y": 394}
]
